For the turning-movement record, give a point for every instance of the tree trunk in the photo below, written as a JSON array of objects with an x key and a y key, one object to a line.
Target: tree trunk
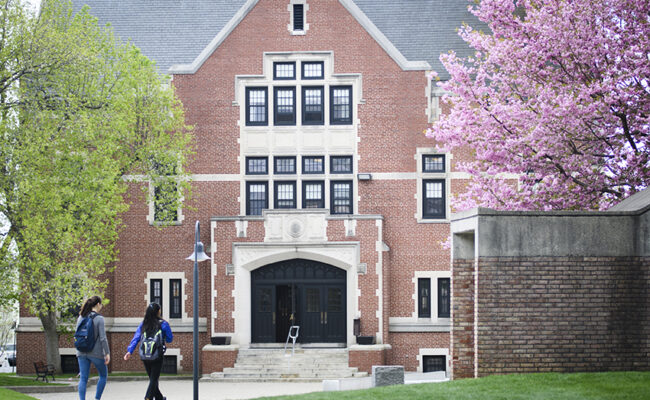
[{"x": 49, "y": 322}]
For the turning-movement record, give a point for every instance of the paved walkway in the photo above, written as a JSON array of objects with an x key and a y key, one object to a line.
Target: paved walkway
[{"x": 182, "y": 390}]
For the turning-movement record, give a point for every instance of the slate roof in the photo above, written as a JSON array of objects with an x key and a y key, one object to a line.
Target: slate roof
[
  {"x": 636, "y": 202},
  {"x": 176, "y": 31}
]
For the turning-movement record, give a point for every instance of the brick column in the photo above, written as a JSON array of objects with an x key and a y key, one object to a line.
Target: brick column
[{"x": 463, "y": 319}]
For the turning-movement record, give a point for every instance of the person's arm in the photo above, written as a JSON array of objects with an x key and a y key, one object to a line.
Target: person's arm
[
  {"x": 102, "y": 336},
  {"x": 167, "y": 331},
  {"x": 135, "y": 340}
]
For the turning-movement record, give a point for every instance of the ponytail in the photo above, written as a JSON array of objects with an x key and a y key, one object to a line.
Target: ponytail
[{"x": 89, "y": 304}]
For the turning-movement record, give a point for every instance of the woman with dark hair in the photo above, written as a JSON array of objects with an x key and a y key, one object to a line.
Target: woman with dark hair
[
  {"x": 99, "y": 356},
  {"x": 151, "y": 324}
]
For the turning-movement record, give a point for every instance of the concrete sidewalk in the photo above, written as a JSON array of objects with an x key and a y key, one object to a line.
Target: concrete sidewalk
[{"x": 182, "y": 390}]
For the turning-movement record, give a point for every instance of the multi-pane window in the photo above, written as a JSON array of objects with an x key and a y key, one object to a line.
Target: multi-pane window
[
  {"x": 285, "y": 194},
  {"x": 424, "y": 297},
  {"x": 285, "y": 105},
  {"x": 341, "y": 105},
  {"x": 298, "y": 17},
  {"x": 433, "y": 201},
  {"x": 433, "y": 163},
  {"x": 341, "y": 164},
  {"x": 434, "y": 363},
  {"x": 312, "y": 106},
  {"x": 341, "y": 197},
  {"x": 313, "y": 165},
  {"x": 285, "y": 165},
  {"x": 312, "y": 70},
  {"x": 256, "y": 106},
  {"x": 257, "y": 166},
  {"x": 175, "y": 298},
  {"x": 155, "y": 291},
  {"x": 444, "y": 297},
  {"x": 257, "y": 199},
  {"x": 284, "y": 70},
  {"x": 313, "y": 194}
]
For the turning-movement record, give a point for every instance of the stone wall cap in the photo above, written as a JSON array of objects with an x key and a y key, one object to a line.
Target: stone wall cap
[
  {"x": 369, "y": 347},
  {"x": 230, "y": 347}
]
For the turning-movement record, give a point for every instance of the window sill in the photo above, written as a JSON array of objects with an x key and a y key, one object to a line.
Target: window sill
[
  {"x": 433, "y": 221},
  {"x": 423, "y": 325},
  {"x": 158, "y": 223}
]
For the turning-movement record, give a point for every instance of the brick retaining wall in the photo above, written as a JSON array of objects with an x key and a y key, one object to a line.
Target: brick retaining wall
[{"x": 562, "y": 314}]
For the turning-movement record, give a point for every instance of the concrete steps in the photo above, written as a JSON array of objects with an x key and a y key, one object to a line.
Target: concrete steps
[{"x": 272, "y": 365}]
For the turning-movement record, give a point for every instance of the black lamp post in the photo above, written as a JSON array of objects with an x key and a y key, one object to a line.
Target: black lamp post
[{"x": 197, "y": 256}]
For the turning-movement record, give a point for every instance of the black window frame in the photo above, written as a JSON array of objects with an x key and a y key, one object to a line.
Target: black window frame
[
  {"x": 332, "y": 162},
  {"x": 443, "y": 214},
  {"x": 304, "y": 194},
  {"x": 298, "y": 24},
  {"x": 172, "y": 297},
  {"x": 276, "y": 198},
  {"x": 280, "y": 158},
  {"x": 304, "y": 159},
  {"x": 266, "y": 164},
  {"x": 322, "y": 70},
  {"x": 444, "y": 302},
  {"x": 437, "y": 358},
  {"x": 434, "y": 171},
  {"x": 333, "y": 197},
  {"x": 341, "y": 121},
  {"x": 424, "y": 311},
  {"x": 152, "y": 296},
  {"x": 248, "y": 196},
  {"x": 321, "y": 121},
  {"x": 266, "y": 106},
  {"x": 283, "y": 78},
  {"x": 275, "y": 106}
]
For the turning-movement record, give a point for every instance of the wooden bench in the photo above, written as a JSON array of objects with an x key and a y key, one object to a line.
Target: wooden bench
[{"x": 43, "y": 370}]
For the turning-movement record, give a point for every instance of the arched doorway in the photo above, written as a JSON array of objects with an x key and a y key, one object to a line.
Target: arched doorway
[{"x": 301, "y": 292}]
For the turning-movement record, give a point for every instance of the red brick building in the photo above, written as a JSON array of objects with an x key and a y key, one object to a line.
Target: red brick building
[{"x": 321, "y": 202}]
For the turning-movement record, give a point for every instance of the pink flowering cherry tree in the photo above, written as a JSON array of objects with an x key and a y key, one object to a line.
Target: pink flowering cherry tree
[{"x": 554, "y": 106}]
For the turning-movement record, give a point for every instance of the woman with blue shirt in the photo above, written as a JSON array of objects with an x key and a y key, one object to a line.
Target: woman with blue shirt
[{"x": 151, "y": 323}]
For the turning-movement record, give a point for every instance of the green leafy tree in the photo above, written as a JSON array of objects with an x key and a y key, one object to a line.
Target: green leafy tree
[{"x": 79, "y": 111}]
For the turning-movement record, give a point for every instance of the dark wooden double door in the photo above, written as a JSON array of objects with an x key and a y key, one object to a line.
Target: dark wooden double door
[{"x": 300, "y": 292}]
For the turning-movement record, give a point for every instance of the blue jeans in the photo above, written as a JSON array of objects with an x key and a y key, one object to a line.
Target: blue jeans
[{"x": 84, "y": 369}]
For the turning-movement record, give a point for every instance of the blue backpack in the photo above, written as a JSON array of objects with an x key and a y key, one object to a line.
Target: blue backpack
[{"x": 84, "y": 336}]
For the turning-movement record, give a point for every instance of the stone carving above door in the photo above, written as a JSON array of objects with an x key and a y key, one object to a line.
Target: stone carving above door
[{"x": 289, "y": 226}]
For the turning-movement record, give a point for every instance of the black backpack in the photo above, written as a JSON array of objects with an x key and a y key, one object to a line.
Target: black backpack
[
  {"x": 152, "y": 347},
  {"x": 84, "y": 336}
]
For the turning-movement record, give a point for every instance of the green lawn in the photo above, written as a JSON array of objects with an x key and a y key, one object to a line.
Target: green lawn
[
  {"x": 592, "y": 386},
  {"x": 6, "y": 394},
  {"x": 9, "y": 379}
]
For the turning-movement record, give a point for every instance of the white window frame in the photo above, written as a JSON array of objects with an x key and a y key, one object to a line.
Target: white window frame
[
  {"x": 433, "y": 276},
  {"x": 166, "y": 277},
  {"x": 439, "y": 351},
  {"x": 433, "y": 94},
  {"x": 421, "y": 176},
  {"x": 151, "y": 216},
  {"x": 305, "y": 24},
  {"x": 267, "y": 137}
]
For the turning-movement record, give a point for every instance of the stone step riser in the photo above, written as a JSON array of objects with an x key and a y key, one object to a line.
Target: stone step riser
[
  {"x": 287, "y": 376},
  {"x": 291, "y": 370},
  {"x": 285, "y": 361},
  {"x": 266, "y": 364},
  {"x": 303, "y": 359}
]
